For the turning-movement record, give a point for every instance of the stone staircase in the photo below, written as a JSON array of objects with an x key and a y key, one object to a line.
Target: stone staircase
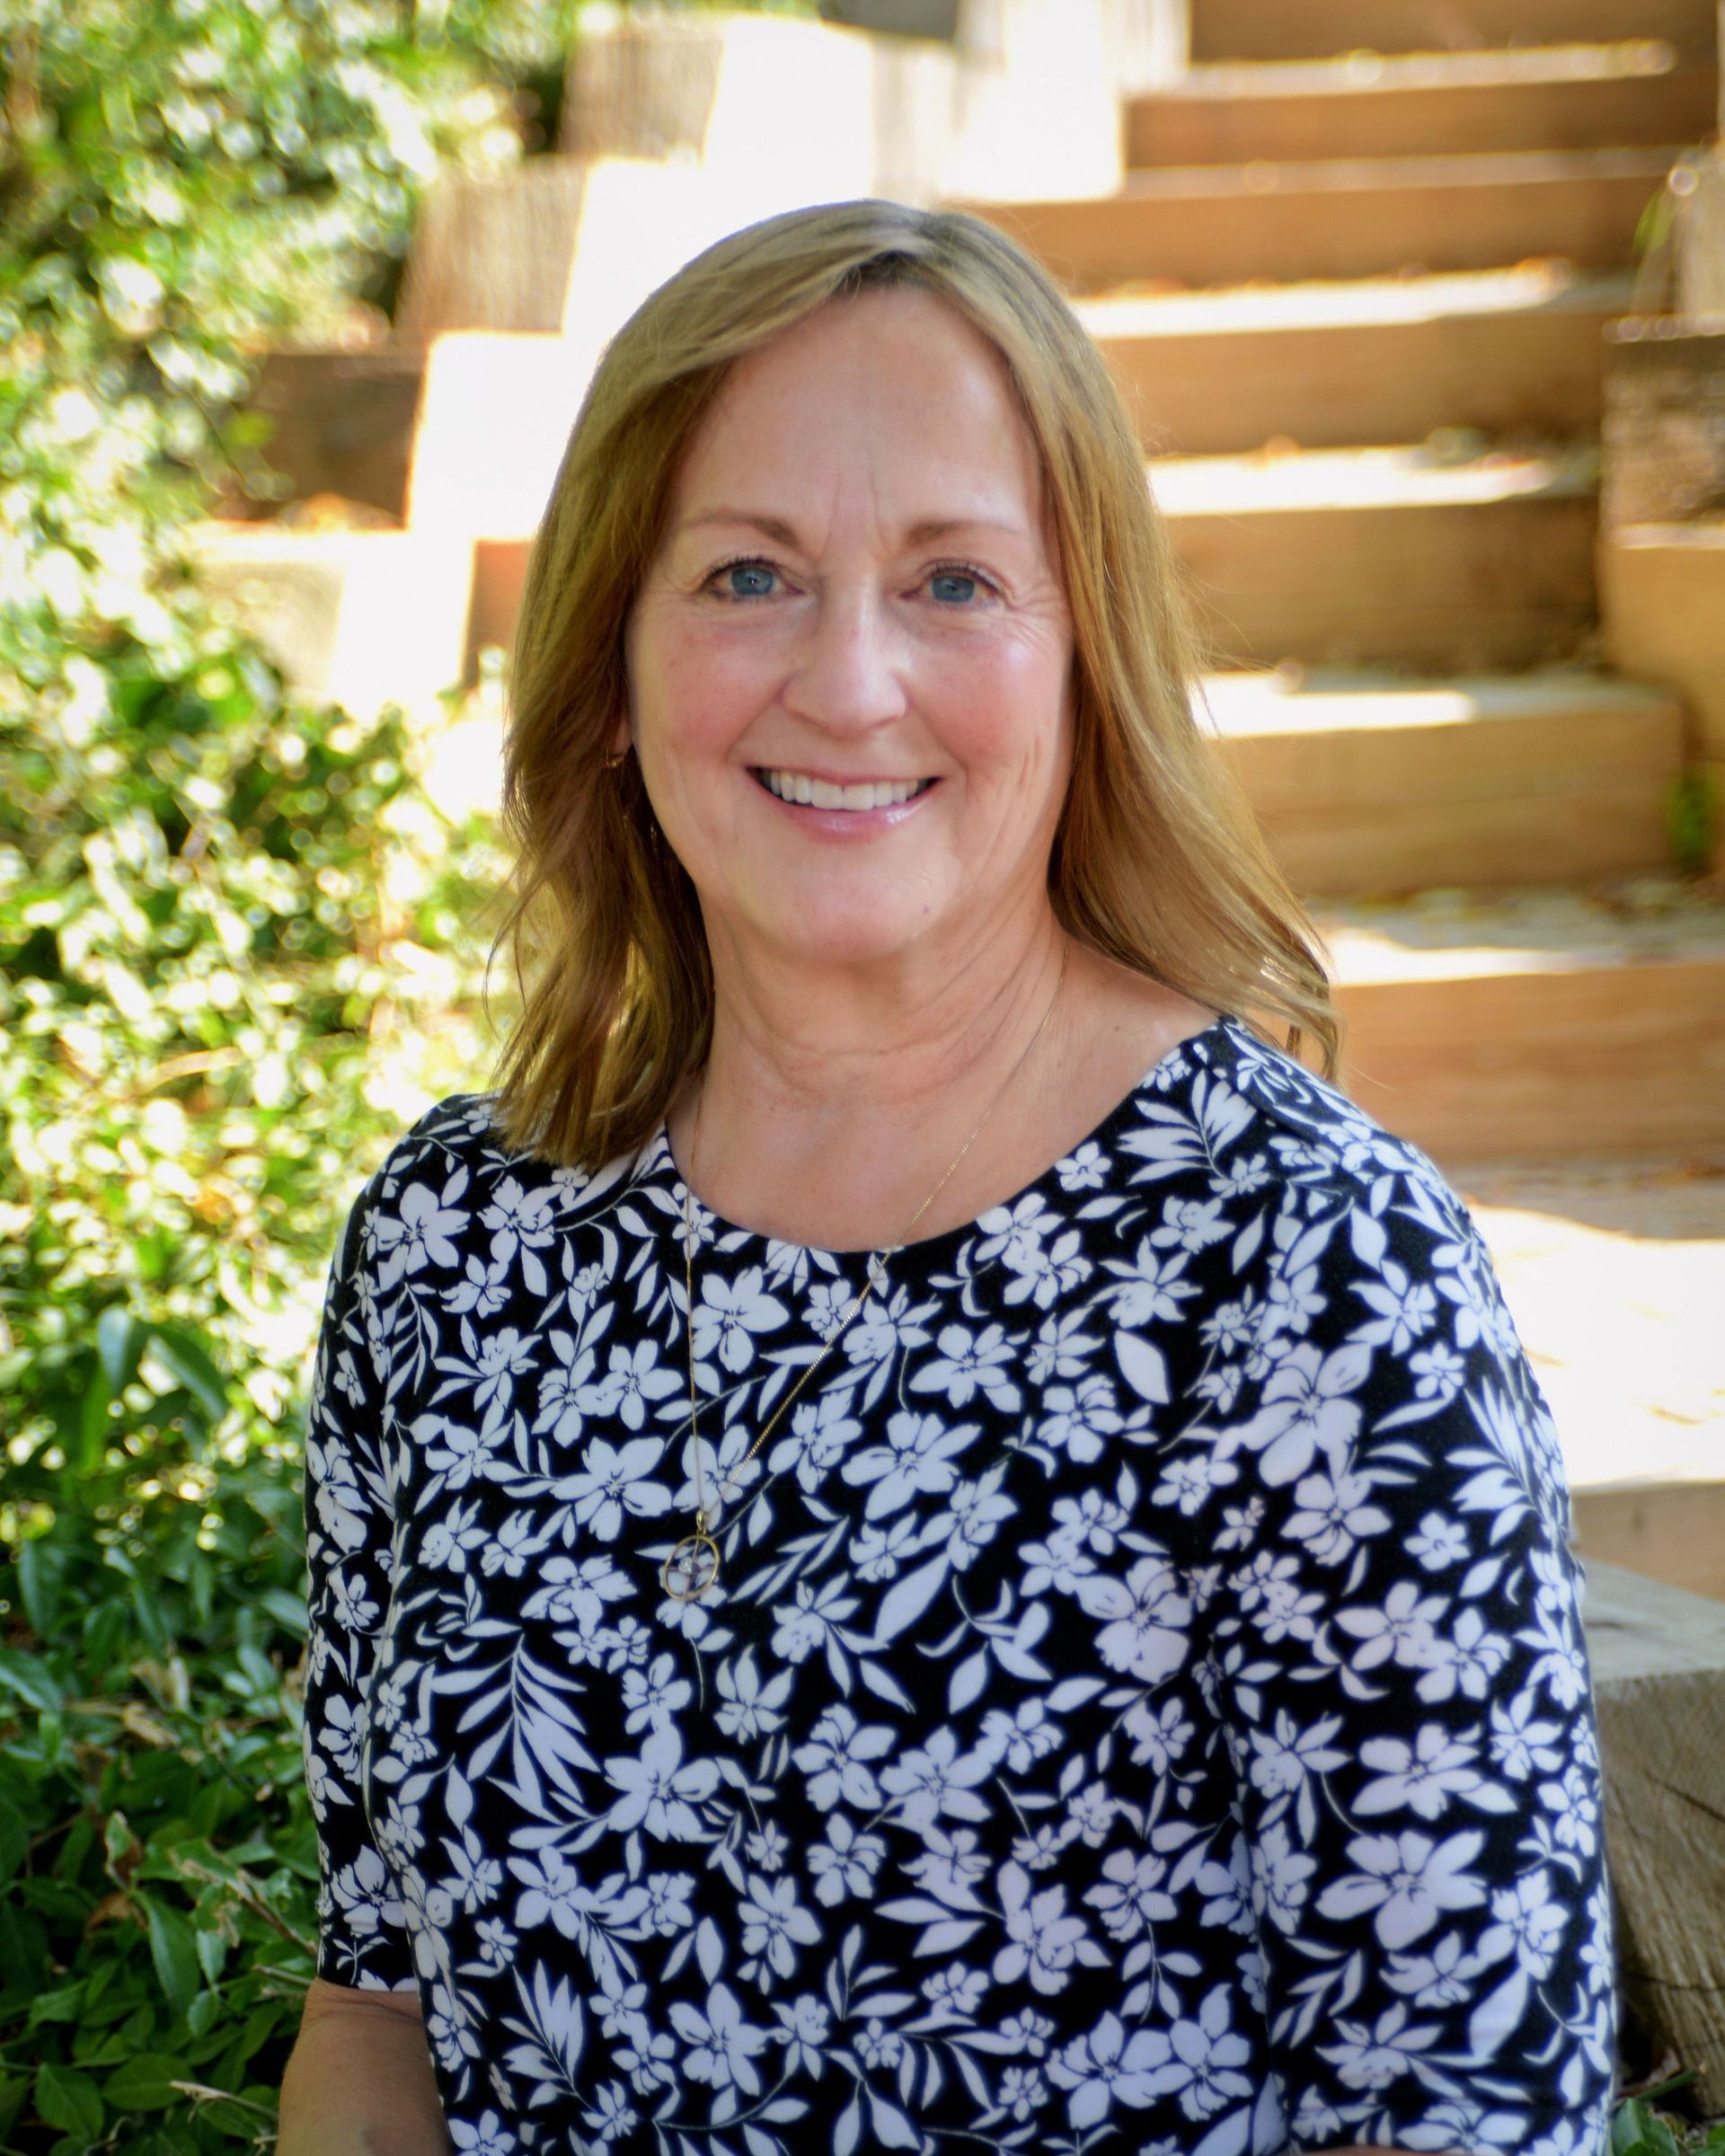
[{"x": 1355, "y": 285}]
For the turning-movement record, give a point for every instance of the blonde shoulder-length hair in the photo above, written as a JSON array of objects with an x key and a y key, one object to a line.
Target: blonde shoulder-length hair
[{"x": 1157, "y": 863}]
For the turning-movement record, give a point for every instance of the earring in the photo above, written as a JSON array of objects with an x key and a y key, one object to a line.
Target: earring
[{"x": 616, "y": 762}]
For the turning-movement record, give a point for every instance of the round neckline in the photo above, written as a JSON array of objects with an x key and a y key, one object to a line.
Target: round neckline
[{"x": 660, "y": 1158}]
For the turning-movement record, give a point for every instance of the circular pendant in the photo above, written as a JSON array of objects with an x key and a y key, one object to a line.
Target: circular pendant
[{"x": 691, "y": 1568}]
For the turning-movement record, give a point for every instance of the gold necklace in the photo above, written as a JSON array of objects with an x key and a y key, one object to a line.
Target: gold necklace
[{"x": 692, "y": 1568}]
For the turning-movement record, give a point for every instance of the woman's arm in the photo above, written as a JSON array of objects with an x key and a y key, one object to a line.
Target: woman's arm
[{"x": 360, "y": 2082}]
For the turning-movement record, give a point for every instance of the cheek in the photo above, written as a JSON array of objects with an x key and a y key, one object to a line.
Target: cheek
[
  {"x": 697, "y": 691},
  {"x": 1004, "y": 709}
]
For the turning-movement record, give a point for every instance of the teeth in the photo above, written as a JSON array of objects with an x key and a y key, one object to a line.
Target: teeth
[{"x": 820, "y": 793}]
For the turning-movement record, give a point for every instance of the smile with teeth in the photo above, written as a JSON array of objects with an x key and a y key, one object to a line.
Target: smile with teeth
[{"x": 795, "y": 786}]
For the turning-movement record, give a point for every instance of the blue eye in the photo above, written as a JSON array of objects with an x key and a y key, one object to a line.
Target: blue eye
[
  {"x": 953, "y": 587},
  {"x": 748, "y": 581}
]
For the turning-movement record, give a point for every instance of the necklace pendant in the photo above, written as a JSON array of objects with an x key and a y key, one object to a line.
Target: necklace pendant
[{"x": 692, "y": 1568}]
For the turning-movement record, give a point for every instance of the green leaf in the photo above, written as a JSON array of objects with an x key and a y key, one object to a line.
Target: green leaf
[
  {"x": 146, "y": 2083},
  {"x": 120, "y": 1341},
  {"x": 94, "y": 1422},
  {"x": 173, "y": 1949},
  {"x": 31, "y": 1678},
  {"x": 68, "y": 2099},
  {"x": 13, "y": 1839},
  {"x": 186, "y": 1361},
  {"x": 38, "y": 1588},
  {"x": 288, "y": 1610}
]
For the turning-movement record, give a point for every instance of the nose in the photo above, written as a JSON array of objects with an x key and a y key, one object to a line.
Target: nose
[{"x": 847, "y": 672}]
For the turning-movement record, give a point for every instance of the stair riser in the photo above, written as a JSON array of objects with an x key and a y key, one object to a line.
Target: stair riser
[
  {"x": 1544, "y": 1066},
  {"x": 1536, "y": 372},
  {"x": 1316, "y": 29},
  {"x": 1613, "y": 113},
  {"x": 1505, "y": 584},
  {"x": 1400, "y": 808},
  {"x": 1290, "y": 233}
]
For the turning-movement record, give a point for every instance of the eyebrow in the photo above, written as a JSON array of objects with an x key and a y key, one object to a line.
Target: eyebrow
[{"x": 920, "y": 534}]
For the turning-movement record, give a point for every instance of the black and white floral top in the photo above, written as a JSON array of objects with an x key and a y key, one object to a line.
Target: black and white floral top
[{"x": 1145, "y": 1708}]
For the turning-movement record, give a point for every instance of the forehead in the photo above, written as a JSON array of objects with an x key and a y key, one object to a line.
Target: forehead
[{"x": 893, "y": 386}]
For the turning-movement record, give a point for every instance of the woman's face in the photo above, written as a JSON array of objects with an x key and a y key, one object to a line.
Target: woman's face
[{"x": 850, "y": 666}]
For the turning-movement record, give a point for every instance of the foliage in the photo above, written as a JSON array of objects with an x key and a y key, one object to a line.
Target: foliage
[
  {"x": 1692, "y": 820},
  {"x": 233, "y": 955},
  {"x": 229, "y": 943},
  {"x": 1641, "y": 2129},
  {"x": 180, "y": 182}
]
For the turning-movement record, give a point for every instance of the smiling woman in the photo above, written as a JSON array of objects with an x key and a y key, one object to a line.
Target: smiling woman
[{"x": 919, "y": 1539}]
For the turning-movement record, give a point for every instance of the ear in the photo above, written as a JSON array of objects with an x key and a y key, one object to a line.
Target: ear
[{"x": 622, "y": 739}]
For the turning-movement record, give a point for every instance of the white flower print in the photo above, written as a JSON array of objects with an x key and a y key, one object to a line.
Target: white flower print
[
  {"x": 969, "y": 1363},
  {"x": 934, "y": 1781},
  {"x": 1147, "y": 1614},
  {"x": 634, "y": 1382},
  {"x": 1439, "y": 1544},
  {"x": 419, "y": 1234},
  {"x": 773, "y": 1925},
  {"x": 1044, "y": 1940},
  {"x": 660, "y": 1790},
  {"x": 845, "y": 1863},
  {"x": 723, "y": 2047},
  {"x": 729, "y": 1314},
  {"x": 1409, "y": 1880},
  {"x": 1108, "y": 2067},
  {"x": 613, "y": 1479},
  {"x": 1080, "y": 1420},
  {"x": 1208, "y": 2054},
  {"x": 1280, "y": 1876},
  {"x": 836, "y": 1761},
  {"x": 1143, "y": 1699},
  {"x": 1306, "y": 1410},
  {"x": 1130, "y": 1899},
  {"x": 917, "y": 1460}
]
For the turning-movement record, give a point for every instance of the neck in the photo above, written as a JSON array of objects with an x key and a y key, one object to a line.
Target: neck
[{"x": 831, "y": 1103}]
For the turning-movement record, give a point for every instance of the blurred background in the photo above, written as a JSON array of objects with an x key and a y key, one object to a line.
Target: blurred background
[{"x": 1420, "y": 306}]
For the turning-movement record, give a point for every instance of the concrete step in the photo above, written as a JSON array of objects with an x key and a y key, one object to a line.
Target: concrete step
[
  {"x": 1385, "y": 782},
  {"x": 1372, "y": 359},
  {"x": 1571, "y": 97},
  {"x": 1609, "y": 1267},
  {"x": 1537, "y": 1025},
  {"x": 1278, "y": 30},
  {"x": 1387, "y": 556},
  {"x": 1350, "y": 217}
]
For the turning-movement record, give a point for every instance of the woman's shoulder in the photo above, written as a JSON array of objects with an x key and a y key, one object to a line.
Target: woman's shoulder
[
  {"x": 1259, "y": 1112},
  {"x": 457, "y": 1163}
]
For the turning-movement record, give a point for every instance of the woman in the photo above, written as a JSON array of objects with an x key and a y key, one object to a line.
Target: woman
[{"x": 882, "y": 1578}]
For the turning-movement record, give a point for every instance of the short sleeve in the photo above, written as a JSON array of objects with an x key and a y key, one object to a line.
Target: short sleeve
[
  {"x": 1396, "y": 1653},
  {"x": 349, "y": 1519}
]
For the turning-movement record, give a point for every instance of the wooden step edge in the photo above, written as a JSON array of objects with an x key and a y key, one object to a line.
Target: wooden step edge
[
  {"x": 1423, "y": 172},
  {"x": 1364, "y": 302},
  {"x": 1393, "y": 477},
  {"x": 1487, "y": 68},
  {"x": 1252, "y": 706}
]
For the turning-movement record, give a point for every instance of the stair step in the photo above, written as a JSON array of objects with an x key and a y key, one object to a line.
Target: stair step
[
  {"x": 1607, "y": 1266},
  {"x": 1350, "y": 217},
  {"x": 1571, "y": 97},
  {"x": 1380, "y": 782},
  {"x": 1379, "y": 359},
  {"x": 1273, "y": 29},
  {"x": 1537, "y": 1024},
  {"x": 1386, "y": 556}
]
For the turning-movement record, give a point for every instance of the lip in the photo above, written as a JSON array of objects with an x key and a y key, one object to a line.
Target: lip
[{"x": 842, "y": 821}]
